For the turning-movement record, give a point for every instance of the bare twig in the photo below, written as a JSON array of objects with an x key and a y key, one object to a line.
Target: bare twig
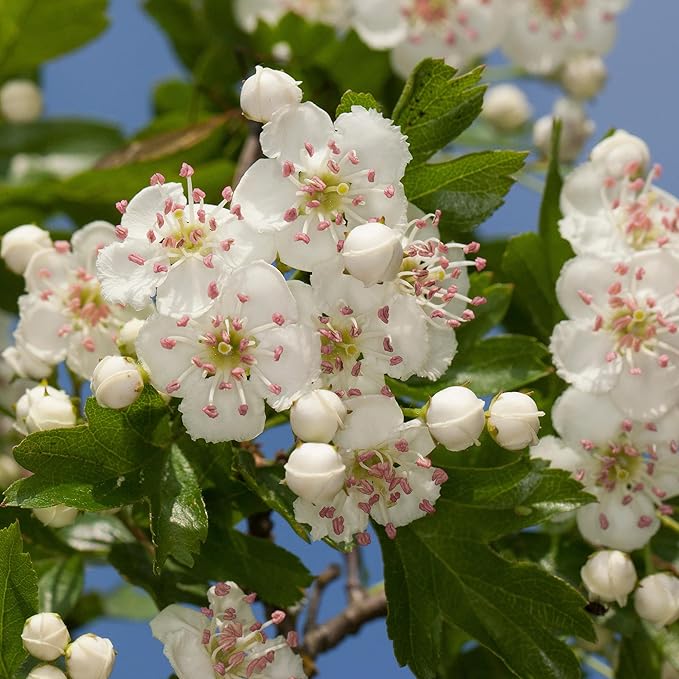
[
  {"x": 332, "y": 572},
  {"x": 349, "y": 621},
  {"x": 354, "y": 588},
  {"x": 250, "y": 152}
]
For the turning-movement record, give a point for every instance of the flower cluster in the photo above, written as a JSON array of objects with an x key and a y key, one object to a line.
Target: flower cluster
[
  {"x": 225, "y": 640},
  {"x": 618, "y": 348}
]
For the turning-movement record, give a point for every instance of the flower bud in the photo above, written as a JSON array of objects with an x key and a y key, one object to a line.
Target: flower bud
[
  {"x": 657, "y": 599},
  {"x": 609, "y": 575},
  {"x": 506, "y": 107},
  {"x": 373, "y": 253},
  {"x": 21, "y": 243},
  {"x": 90, "y": 657},
  {"x": 46, "y": 672},
  {"x": 455, "y": 417},
  {"x": 575, "y": 130},
  {"x": 42, "y": 408},
  {"x": 127, "y": 337},
  {"x": 315, "y": 472},
  {"x": 20, "y": 101},
  {"x": 45, "y": 636},
  {"x": 57, "y": 516},
  {"x": 317, "y": 415},
  {"x": 616, "y": 154},
  {"x": 266, "y": 91},
  {"x": 116, "y": 382},
  {"x": 584, "y": 76},
  {"x": 514, "y": 420}
]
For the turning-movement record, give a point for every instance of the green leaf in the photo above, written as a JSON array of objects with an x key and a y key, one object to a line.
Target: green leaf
[
  {"x": 350, "y": 98},
  {"x": 18, "y": 599},
  {"x": 28, "y": 36},
  {"x": 61, "y": 584},
  {"x": 639, "y": 657},
  {"x": 558, "y": 249},
  {"x": 525, "y": 265},
  {"x": 437, "y": 105},
  {"x": 441, "y": 572},
  {"x": 467, "y": 189}
]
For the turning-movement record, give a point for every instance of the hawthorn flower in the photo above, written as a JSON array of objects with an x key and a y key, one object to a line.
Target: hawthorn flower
[
  {"x": 176, "y": 250},
  {"x": 330, "y": 12},
  {"x": 321, "y": 179},
  {"x": 388, "y": 474},
  {"x": 613, "y": 212},
  {"x": 541, "y": 35},
  {"x": 622, "y": 336},
  {"x": 225, "y": 641},
  {"x": 21, "y": 243},
  {"x": 21, "y": 101},
  {"x": 506, "y": 107},
  {"x": 657, "y": 599},
  {"x": 455, "y": 30},
  {"x": 576, "y": 129},
  {"x": 630, "y": 466},
  {"x": 609, "y": 575},
  {"x": 42, "y": 408},
  {"x": 266, "y": 91},
  {"x": 247, "y": 347}
]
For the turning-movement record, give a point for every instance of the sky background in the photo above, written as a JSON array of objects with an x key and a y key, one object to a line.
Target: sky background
[{"x": 112, "y": 78}]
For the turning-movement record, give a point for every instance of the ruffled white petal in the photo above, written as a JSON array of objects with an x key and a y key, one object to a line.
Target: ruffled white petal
[
  {"x": 587, "y": 274},
  {"x": 184, "y": 289},
  {"x": 140, "y": 214},
  {"x": 372, "y": 421}
]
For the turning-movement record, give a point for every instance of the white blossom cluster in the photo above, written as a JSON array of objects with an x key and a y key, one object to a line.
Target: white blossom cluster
[{"x": 618, "y": 349}]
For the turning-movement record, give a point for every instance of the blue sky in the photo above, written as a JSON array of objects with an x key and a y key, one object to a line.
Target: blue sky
[{"x": 112, "y": 78}]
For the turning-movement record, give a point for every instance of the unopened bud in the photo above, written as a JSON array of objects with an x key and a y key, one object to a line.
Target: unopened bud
[
  {"x": 455, "y": 417},
  {"x": 20, "y": 101},
  {"x": 315, "y": 472},
  {"x": 506, "y": 107},
  {"x": 90, "y": 657},
  {"x": 116, "y": 382},
  {"x": 609, "y": 575},
  {"x": 45, "y": 636},
  {"x": 657, "y": 599},
  {"x": 576, "y": 129},
  {"x": 57, "y": 516},
  {"x": 316, "y": 416},
  {"x": 584, "y": 76},
  {"x": 373, "y": 253},
  {"x": 46, "y": 672},
  {"x": 127, "y": 336},
  {"x": 514, "y": 420},
  {"x": 266, "y": 91},
  {"x": 620, "y": 152},
  {"x": 42, "y": 408},
  {"x": 21, "y": 243}
]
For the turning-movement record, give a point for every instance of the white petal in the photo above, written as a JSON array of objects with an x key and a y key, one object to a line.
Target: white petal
[
  {"x": 286, "y": 664},
  {"x": 554, "y": 450},
  {"x": 346, "y": 506},
  {"x": 594, "y": 235},
  {"x": 82, "y": 361},
  {"x": 579, "y": 415},
  {"x": 185, "y": 288},
  {"x": 379, "y": 23},
  {"x": 319, "y": 251},
  {"x": 140, "y": 214},
  {"x": 407, "y": 509},
  {"x": 234, "y": 599},
  {"x": 372, "y": 422},
  {"x": 248, "y": 244},
  {"x": 406, "y": 55},
  {"x": 586, "y": 274},
  {"x": 174, "y": 618},
  {"x": 661, "y": 276},
  {"x": 49, "y": 270},
  {"x": 87, "y": 242},
  {"x": 39, "y": 326},
  {"x": 188, "y": 656},
  {"x": 420, "y": 442},
  {"x": 582, "y": 191}
]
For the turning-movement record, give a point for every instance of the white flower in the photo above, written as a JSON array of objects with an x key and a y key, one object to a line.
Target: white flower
[
  {"x": 455, "y": 30},
  {"x": 514, "y": 420},
  {"x": 46, "y": 672},
  {"x": 175, "y": 251},
  {"x": 584, "y": 75},
  {"x": 657, "y": 599},
  {"x": 542, "y": 35},
  {"x": 388, "y": 474},
  {"x": 42, "y": 408},
  {"x": 321, "y": 179},
  {"x": 266, "y": 91},
  {"x": 64, "y": 316},
  {"x": 21, "y": 243},
  {"x": 631, "y": 467},
  {"x": 373, "y": 253},
  {"x": 609, "y": 575},
  {"x": 622, "y": 337},
  {"x": 330, "y": 12},
  {"x": 20, "y": 101},
  {"x": 576, "y": 129},
  {"x": 611, "y": 210},
  {"x": 90, "y": 657},
  {"x": 225, "y": 641},
  {"x": 362, "y": 336},
  {"x": 57, "y": 516},
  {"x": 316, "y": 416},
  {"x": 116, "y": 382},
  {"x": 246, "y": 348},
  {"x": 315, "y": 472},
  {"x": 127, "y": 336},
  {"x": 455, "y": 418},
  {"x": 506, "y": 107},
  {"x": 24, "y": 363},
  {"x": 45, "y": 636}
]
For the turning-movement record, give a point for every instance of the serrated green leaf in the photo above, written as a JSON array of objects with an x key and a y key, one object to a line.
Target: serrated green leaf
[
  {"x": 18, "y": 599},
  {"x": 28, "y": 36},
  {"x": 351, "y": 98},
  {"x": 60, "y": 584},
  {"x": 441, "y": 571},
  {"x": 436, "y": 105},
  {"x": 467, "y": 189}
]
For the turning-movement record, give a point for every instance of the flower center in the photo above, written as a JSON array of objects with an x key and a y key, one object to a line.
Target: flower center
[
  {"x": 85, "y": 302},
  {"x": 339, "y": 344},
  {"x": 429, "y": 11},
  {"x": 324, "y": 193},
  {"x": 560, "y": 9}
]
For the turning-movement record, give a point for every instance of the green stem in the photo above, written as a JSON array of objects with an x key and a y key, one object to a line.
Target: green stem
[
  {"x": 275, "y": 420},
  {"x": 415, "y": 413},
  {"x": 669, "y": 522}
]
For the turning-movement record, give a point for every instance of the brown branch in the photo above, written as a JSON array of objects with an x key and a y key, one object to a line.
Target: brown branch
[
  {"x": 332, "y": 572},
  {"x": 355, "y": 590},
  {"x": 349, "y": 621},
  {"x": 250, "y": 153}
]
